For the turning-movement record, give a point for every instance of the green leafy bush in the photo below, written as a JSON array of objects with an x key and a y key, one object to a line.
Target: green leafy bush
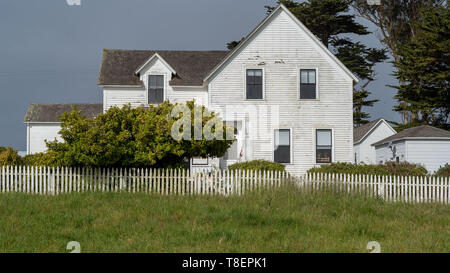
[
  {"x": 41, "y": 159},
  {"x": 389, "y": 168},
  {"x": 443, "y": 171},
  {"x": 139, "y": 137},
  {"x": 257, "y": 165},
  {"x": 10, "y": 157}
]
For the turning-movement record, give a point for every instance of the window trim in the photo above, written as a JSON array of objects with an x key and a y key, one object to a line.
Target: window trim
[
  {"x": 148, "y": 86},
  {"x": 315, "y": 146},
  {"x": 263, "y": 83},
  {"x": 291, "y": 146},
  {"x": 194, "y": 164},
  {"x": 299, "y": 79}
]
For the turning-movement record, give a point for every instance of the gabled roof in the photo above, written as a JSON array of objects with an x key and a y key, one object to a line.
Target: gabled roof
[
  {"x": 50, "y": 112},
  {"x": 420, "y": 132},
  {"x": 156, "y": 55},
  {"x": 118, "y": 67},
  {"x": 191, "y": 68},
  {"x": 280, "y": 8},
  {"x": 361, "y": 132}
]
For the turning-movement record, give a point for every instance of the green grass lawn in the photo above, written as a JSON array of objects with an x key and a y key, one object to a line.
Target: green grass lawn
[{"x": 285, "y": 220}]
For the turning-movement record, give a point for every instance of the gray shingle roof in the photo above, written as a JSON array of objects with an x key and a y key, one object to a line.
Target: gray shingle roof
[
  {"x": 50, "y": 112},
  {"x": 118, "y": 66},
  {"x": 424, "y": 131},
  {"x": 360, "y": 132}
]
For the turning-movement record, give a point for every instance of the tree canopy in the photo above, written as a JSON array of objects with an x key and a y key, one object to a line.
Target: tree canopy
[
  {"x": 423, "y": 70},
  {"x": 397, "y": 24}
]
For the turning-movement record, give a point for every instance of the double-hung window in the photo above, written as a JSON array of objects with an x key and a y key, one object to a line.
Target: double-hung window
[
  {"x": 155, "y": 89},
  {"x": 254, "y": 84},
  {"x": 308, "y": 84},
  {"x": 282, "y": 153},
  {"x": 324, "y": 146}
]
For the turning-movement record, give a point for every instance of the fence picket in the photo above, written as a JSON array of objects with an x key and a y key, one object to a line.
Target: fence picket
[{"x": 56, "y": 180}]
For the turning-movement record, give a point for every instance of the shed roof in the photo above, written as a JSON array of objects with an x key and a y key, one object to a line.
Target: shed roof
[
  {"x": 419, "y": 132},
  {"x": 360, "y": 132},
  {"x": 38, "y": 112}
]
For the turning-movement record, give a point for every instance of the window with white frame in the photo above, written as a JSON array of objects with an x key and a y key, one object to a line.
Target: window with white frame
[
  {"x": 282, "y": 149},
  {"x": 308, "y": 84},
  {"x": 254, "y": 84},
  {"x": 324, "y": 146},
  {"x": 155, "y": 89}
]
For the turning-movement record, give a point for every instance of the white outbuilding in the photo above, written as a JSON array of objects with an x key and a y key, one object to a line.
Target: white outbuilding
[
  {"x": 364, "y": 136},
  {"x": 424, "y": 145},
  {"x": 43, "y": 122}
]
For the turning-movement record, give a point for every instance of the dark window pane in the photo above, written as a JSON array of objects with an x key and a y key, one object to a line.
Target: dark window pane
[
  {"x": 323, "y": 155},
  {"x": 282, "y": 153},
  {"x": 307, "y": 91},
  {"x": 155, "y": 89},
  {"x": 254, "y": 84}
]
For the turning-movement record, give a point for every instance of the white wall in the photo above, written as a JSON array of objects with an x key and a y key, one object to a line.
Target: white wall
[
  {"x": 356, "y": 154},
  {"x": 366, "y": 152},
  {"x": 433, "y": 154},
  {"x": 384, "y": 153},
  {"x": 281, "y": 50},
  {"x": 37, "y": 133},
  {"x": 118, "y": 96}
]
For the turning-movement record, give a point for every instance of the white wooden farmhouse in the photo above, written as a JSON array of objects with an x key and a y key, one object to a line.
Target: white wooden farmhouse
[
  {"x": 287, "y": 95},
  {"x": 366, "y": 135},
  {"x": 424, "y": 145}
]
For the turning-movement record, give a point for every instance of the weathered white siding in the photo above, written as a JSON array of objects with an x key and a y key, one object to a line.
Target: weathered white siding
[
  {"x": 37, "y": 133},
  {"x": 365, "y": 152},
  {"x": 138, "y": 96},
  {"x": 356, "y": 154},
  {"x": 432, "y": 154},
  {"x": 384, "y": 152},
  {"x": 119, "y": 96},
  {"x": 281, "y": 49}
]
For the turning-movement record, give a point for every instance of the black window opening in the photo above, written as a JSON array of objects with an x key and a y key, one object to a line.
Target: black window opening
[
  {"x": 308, "y": 84},
  {"x": 323, "y": 146},
  {"x": 254, "y": 84},
  {"x": 155, "y": 89},
  {"x": 282, "y": 152}
]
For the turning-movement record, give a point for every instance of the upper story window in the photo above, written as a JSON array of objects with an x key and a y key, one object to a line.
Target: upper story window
[
  {"x": 155, "y": 89},
  {"x": 324, "y": 146},
  {"x": 282, "y": 153},
  {"x": 254, "y": 84},
  {"x": 308, "y": 84}
]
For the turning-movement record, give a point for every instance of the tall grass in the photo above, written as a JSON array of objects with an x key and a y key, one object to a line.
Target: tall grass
[{"x": 283, "y": 220}]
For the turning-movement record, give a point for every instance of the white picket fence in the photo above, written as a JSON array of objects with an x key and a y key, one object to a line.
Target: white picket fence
[
  {"x": 60, "y": 180},
  {"x": 57, "y": 180},
  {"x": 407, "y": 189}
]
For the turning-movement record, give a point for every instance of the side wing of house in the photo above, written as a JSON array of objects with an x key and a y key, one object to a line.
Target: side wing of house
[
  {"x": 141, "y": 78},
  {"x": 38, "y": 133},
  {"x": 395, "y": 151},
  {"x": 43, "y": 124},
  {"x": 432, "y": 154},
  {"x": 366, "y": 152},
  {"x": 290, "y": 100}
]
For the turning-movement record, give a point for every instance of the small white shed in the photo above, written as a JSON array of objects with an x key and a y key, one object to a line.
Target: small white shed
[
  {"x": 364, "y": 136},
  {"x": 43, "y": 123},
  {"x": 424, "y": 145}
]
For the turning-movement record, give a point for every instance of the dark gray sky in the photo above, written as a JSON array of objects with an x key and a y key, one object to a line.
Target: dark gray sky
[{"x": 50, "y": 52}]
